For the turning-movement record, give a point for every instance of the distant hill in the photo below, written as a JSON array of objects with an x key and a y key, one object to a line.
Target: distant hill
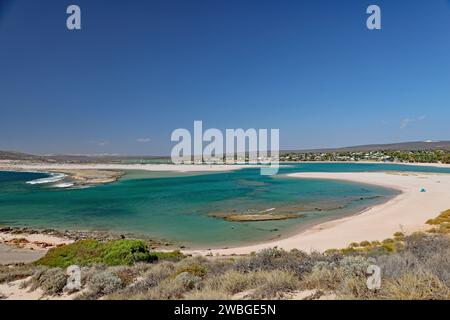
[
  {"x": 103, "y": 158},
  {"x": 19, "y": 156},
  {"x": 403, "y": 146},
  {"x": 12, "y": 155}
]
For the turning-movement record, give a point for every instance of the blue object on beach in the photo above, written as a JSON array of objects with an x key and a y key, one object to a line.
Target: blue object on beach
[{"x": 423, "y": 190}]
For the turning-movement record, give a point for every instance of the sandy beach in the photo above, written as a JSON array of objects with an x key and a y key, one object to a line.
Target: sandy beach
[
  {"x": 25, "y": 247},
  {"x": 54, "y": 167},
  {"x": 407, "y": 212},
  {"x": 11, "y": 254},
  {"x": 88, "y": 174}
]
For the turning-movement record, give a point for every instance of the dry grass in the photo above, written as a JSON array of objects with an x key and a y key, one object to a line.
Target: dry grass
[
  {"x": 233, "y": 282},
  {"x": 415, "y": 286},
  {"x": 441, "y": 223},
  {"x": 276, "y": 284},
  {"x": 206, "y": 294},
  {"x": 413, "y": 266},
  {"x": 51, "y": 281},
  {"x": 17, "y": 272},
  {"x": 323, "y": 278}
]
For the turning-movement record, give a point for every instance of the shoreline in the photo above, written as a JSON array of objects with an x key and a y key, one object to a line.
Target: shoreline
[
  {"x": 54, "y": 167},
  {"x": 24, "y": 244},
  {"x": 91, "y": 174},
  {"x": 419, "y": 164},
  {"x": 293, "y": 232},
  {"x": 37, "y": 167},
  {"x": 406, "y": 212}
]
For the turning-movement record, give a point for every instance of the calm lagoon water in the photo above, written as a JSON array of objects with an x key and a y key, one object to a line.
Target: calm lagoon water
[{"x": 175, "y": 207}]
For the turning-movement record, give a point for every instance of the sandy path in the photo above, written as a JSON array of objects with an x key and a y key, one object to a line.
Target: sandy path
[
  {"x": 32, "y": 248},
  {"x": 407, "y": 212},
  {"x": 10, "y": 254}
]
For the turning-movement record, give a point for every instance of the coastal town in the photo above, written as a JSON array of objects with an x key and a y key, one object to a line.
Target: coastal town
[{"x": 423, "y": 156}]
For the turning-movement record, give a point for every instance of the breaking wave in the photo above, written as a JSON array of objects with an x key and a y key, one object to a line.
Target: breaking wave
[
  {"x": 64, "y": 185},
  {"x": 54, "y": 177}
]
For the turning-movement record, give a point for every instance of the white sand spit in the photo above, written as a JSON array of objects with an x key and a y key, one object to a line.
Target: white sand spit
[{"x": 407, "y": 212}]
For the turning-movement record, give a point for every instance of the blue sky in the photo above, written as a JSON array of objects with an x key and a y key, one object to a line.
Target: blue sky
[{"x": 139, "y": 69}]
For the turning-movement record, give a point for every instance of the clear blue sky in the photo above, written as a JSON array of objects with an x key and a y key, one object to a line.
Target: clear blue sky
[{"x": 139, "y": 69}]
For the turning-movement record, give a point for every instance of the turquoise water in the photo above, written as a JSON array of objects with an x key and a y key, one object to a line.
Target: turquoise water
[{"x": 175, "y": 207}]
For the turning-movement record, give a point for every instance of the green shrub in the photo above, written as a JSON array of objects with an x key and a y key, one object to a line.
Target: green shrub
[
  {"x": 158, "y": 273},
  {"x": 175, "y": 255},
  {"x": 80, "y": 253},
  {"x": 424, "y": 245},
  {"x": 365, "y": 244},
  {"x": 295, "y": 261},
  {"x": 444, "y": 217},
  {"x": 332, "y": 251},
  {"x": 126, "y": 274},
  {"x": 149, "y": 279},
  {"x": 126, "y": 252},
  {"x": 354, "y": 287},
  {"x": 13, "y": 273},
  {"x": 232, "y": 282},
  {"x": 389, "y": 247},
  {"x": 349, "y": 251},
  {"x": 87, "y": 272},
  {"x": 168, "y": 289},
  {"x": 196, "y": 269},
  {"x": 355, "y": 265},
  {"x": 104, "y": 283},
  {"x": 51, "y": 281},
  {"x": 87, "y": 252},
  {"x": 396, "y": 265},
  {"x": 439, "y": 265},
  {"x": 323, "y": 278},
  {"x": 188, "y": 280},
  {"x": 219, "y": 266},
  {"x": 275, "y": 284}
]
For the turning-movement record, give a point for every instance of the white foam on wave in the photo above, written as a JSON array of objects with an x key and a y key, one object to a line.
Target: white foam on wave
[
  {"x": 64, "y": 185},
  {"x": 267, "y": 210},
  {"x": 54, "y": 177}
]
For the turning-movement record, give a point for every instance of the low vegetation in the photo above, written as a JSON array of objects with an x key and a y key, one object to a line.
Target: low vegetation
[
  {"x": 415, "y": 266},
  {"x": 111, "y": 253},
  {"x": 412, "y": 156},
  {"x": 441, "y": 224}
]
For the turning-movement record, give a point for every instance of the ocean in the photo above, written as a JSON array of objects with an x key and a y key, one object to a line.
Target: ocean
[{"x": 176, "y": 207}]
